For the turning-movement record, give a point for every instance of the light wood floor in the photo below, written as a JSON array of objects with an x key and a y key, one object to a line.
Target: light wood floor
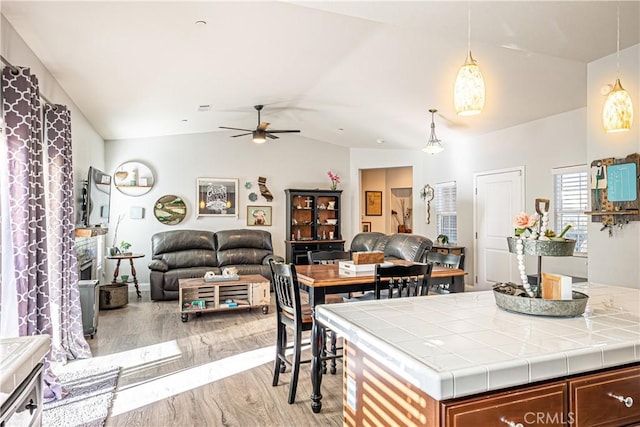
[{"x": 244, "y": 399}]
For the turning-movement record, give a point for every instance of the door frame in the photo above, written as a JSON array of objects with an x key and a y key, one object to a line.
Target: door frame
[{"x": 476, "y": 175}]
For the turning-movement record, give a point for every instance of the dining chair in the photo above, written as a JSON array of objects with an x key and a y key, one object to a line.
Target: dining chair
[
  {"x": 445, "y": 260},
  {"x": 330, "y": 257},
  {"x": 292, "y": 314},
  {"x": 402, "y": 280}
]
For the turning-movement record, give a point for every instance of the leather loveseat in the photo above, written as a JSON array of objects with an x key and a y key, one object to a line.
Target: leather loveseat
[
  {"x": 182, "y": 254},
  {"x": 410, "y": 247}
]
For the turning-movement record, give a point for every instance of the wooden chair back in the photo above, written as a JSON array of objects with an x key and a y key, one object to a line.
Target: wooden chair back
[
  {"x": 327, "y": 257},
  {"x": 287, "y": 290},
  {"x": 402, "y": 280},
  {"x": 445, "y": 260}
]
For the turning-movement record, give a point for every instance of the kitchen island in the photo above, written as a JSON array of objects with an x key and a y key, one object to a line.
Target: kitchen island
[{"x": 458, "y": 359}]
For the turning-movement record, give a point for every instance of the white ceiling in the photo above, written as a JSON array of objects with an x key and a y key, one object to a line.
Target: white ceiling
[{"x": 348, "y": 73}]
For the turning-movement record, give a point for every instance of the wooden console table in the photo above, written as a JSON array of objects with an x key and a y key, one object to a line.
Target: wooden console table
[{"x": 130, "y": 257}]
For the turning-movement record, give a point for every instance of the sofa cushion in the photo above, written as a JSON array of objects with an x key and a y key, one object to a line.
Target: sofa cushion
[
  {"x": 367, "y": 242},
  {"x": 237, "y": 247},
  {"x": 180, "y": 240},
  {"x": 190, "y": 258},
  {"x": 171, "y": 277},
  {"x": 410, "y": 247}
]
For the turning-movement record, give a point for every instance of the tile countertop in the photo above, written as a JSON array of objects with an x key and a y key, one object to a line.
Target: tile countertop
[
  {"x": 461, "y": 344},
  {"x": 18, "y": 357}
]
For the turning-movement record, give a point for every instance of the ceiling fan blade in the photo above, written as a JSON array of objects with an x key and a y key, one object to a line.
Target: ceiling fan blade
[
  {"x": 242, "y": 134},
  {"x": 285, "y": 131},
  {"x": 225, "y": 127},
  {"x": 268, "y": 135},
  {"x": 263, "y": 126}
]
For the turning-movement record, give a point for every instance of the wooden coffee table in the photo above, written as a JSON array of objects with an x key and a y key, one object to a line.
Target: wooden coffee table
[{"x": 198, "y": 296}]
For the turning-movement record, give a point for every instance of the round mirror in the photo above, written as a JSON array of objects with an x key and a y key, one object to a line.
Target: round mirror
[{"x": 133, "y": 178}]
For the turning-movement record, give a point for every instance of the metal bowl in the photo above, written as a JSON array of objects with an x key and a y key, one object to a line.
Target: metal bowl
[
  {"x": 538, "y": 306},
  {"x": 543, "y": 247}
]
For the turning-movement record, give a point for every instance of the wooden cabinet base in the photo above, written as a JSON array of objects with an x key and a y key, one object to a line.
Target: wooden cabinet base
[{"x": 373, "y": 394}]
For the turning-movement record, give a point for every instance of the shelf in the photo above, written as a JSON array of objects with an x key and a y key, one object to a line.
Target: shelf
[
  {"x": 91, "y": 231},
  {"x": 134, "y": 186},
  {"x": 625, "y": 212}
]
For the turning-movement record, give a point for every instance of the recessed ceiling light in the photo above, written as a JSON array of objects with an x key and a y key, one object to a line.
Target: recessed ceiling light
[
  {"x": 184, "y": 120},
  {"x": 380, "y": 141},
  {"x": 201, "y": 22},
  {"x": 206, "y": 107}
]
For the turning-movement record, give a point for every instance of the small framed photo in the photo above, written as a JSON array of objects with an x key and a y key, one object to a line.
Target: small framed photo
[
  {"x": 373, "y": 203},
  {"x": 259, "y": 215},
  {"x": 217, "y": 197},
  {"x": 366, "y": 227}
]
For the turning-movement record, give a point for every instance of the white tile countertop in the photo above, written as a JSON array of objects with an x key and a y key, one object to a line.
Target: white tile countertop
[
  {"x": 18, "y": 357},
  {"x": 461, "y": 344}
]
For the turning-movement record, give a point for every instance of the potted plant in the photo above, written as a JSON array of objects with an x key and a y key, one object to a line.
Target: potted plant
[{"x": 124, "y": 248}]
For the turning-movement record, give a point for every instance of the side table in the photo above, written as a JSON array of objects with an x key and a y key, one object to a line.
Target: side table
[{"x": 116, "y": 273}]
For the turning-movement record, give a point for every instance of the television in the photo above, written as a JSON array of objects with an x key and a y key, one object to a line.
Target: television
[{"x": 97, "y": 198}]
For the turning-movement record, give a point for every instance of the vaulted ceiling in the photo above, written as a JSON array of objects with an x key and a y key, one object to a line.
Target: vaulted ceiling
[{"x": 345, "y": 72}]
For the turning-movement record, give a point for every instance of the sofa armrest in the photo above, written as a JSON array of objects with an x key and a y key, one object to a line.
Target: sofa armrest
[
  {"x": 275, "y": 258},
  {"x": 158, "y": 265}
]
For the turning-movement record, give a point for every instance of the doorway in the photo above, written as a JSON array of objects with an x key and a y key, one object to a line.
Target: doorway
[
  {"x": 499, "y": 195},
  {"x": 395, "y": 186}
]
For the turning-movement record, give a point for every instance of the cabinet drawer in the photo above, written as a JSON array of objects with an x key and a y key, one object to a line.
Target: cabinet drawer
[
  {"x": 592, "y": 400},
  {"x": 539, "y": 405},
  {"x": 331, "y": 246}
]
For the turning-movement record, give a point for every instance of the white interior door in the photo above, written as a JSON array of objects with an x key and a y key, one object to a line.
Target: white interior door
[{"x": 499, "y": 196}]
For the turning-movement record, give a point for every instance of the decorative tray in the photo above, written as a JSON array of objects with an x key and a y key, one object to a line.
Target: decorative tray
[
  {"x": 221, "y": 279},
  {"x": 512, "y": 297},
  {"x": 357, "y": 268},
  {"x": 543, "y": 247}
]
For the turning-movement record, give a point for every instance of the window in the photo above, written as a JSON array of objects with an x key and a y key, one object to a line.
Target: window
[
  {"x": 445, "y": 201},
  {"x": 570, "y": 201}
]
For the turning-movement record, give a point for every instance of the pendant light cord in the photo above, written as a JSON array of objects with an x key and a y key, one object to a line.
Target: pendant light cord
[
  {"x": 618, "y": 45},
  {"x": 469, "y": 26}
]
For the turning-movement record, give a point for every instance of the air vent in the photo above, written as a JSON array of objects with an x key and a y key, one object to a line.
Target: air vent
[{"x": 206, "y": 107}]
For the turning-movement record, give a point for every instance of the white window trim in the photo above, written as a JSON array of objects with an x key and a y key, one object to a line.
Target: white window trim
[{"x": 567, "y": 170}]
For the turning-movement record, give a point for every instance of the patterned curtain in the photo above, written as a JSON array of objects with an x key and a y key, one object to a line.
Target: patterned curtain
[
  {"x": 64, "y": 294},
  {"x": 41, "y": 222}
]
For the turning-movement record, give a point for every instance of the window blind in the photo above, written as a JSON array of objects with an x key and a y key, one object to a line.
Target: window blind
[
  {"x": 445, "y": 206},
  {"x": 571, "y": 200}
]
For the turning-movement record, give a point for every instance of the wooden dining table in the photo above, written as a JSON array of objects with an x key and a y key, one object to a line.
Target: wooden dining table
[{"x": 319, "y": 280}]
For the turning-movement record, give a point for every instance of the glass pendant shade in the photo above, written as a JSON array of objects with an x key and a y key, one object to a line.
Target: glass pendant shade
[
  {"x": 468, "y": 91},
  {"x": 617, "y": 114},
  {"x": 433, "y": 145},
  {"x": 259, "y": 137}
]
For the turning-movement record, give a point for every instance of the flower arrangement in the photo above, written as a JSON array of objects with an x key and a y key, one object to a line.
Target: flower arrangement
[{"x": 335, "y": 180}]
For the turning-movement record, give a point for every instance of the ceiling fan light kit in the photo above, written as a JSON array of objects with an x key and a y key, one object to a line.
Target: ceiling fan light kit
[
  {"x": 260, "y": 134},
  {"x": 468, "y": 90},
  {"x": 617, "y": 113},
  {"x": 433, "y": 145}
]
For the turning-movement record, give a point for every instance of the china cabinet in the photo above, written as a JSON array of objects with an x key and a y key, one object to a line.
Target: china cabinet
[{"x": 313, "y": 223}]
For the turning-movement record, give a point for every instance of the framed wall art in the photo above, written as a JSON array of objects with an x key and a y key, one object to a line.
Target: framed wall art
[
  {"x": 259, "y": 215},
  {"x": 373, "y": 203},
  {"x": 217, "y": 196},
  {"x": 366, "y": 227}
]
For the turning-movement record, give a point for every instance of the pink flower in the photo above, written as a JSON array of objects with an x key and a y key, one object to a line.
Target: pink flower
[
  {"x": 524, "y": 220},
  {"x": 332, "y": 177}
]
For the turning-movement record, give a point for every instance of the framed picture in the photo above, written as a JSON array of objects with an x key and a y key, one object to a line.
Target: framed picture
[
  {"x": 373, "y": 203},
  {"x": 259, "y": 215},
  {"x": 217, "y": 197},
  {"x": 366, "y": 227}
]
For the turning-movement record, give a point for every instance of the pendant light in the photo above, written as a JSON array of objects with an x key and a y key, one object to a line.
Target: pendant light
[
  {"x": 468, "y": 91},
  {"x": 433, "y": 145},
  {"x": 617, "y": 113}
]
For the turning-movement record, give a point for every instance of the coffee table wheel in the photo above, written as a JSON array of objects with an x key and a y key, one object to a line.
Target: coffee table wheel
[
  {"x": 198, "y": 314},
  {"x": 265, "y": 309},
  {"x": 184, "y": 317}
]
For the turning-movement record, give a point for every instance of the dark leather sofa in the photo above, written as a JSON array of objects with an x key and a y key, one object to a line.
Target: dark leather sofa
[
  {"x": 182, "y": 254},
  {"x": 410, "y": 247}
]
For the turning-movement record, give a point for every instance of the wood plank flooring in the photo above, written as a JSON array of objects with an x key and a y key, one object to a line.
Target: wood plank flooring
[{"x": 245, "y": 398}]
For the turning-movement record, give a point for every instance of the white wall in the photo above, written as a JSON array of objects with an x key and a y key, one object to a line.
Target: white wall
[
  {"x": 540, "y": 146},
  {"x": 87, "y": 144},
  {"x": 614, "y": 260},
  {"x": 290, "y": 162}
]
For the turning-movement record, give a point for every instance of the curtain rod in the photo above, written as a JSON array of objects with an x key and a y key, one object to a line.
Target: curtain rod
[{"x": 15, "y": 69}]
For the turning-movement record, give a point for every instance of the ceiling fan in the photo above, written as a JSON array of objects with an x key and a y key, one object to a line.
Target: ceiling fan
[{"x": 260, "y": 134}]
